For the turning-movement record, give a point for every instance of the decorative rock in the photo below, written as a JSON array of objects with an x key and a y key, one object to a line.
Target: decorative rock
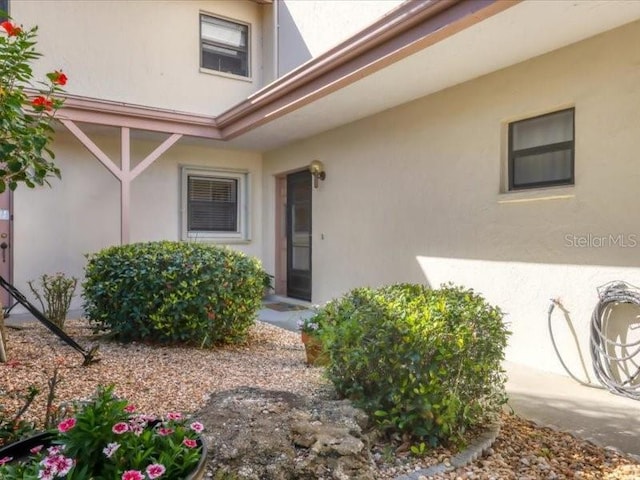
[{"x": 272, "y": 435}]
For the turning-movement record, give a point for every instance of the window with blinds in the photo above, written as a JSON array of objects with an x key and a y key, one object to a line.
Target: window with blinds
[
  {"x": 541, "y": 151},
  {"x": 213, "y": 204},
  {"x": 224, "y": 45}
]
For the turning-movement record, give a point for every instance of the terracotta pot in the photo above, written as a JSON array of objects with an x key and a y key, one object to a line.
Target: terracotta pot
[
  {"x": 316, "y": 355},
  {"x": 20, "y": 451}
]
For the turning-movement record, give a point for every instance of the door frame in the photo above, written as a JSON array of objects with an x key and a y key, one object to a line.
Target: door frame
[
  {"x": 7, "y": 300},
  {"x": 281, "y": 241},
  {"x": 281, "y": 235}
]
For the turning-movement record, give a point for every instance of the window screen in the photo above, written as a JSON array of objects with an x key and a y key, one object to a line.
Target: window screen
[
  {"x": 224, "y": 45},
  {"x": 541, "y": 151}
]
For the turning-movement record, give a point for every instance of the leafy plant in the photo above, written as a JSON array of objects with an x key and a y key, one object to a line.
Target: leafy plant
[
  {"x": 310, "y": 326},
  {"x": 173, "y": 292},
  {"x": 106, "y": 440},
  {"x": 55, "y": 297},
  {"x": 267, "y": 283},
  {"x": 15, "y": 427},
  {"x": 421, "y": 362},
  {"x": 25, "y": 112},
  {"x": 313, "y": 325},
  {"x": 419, "y": 449}
]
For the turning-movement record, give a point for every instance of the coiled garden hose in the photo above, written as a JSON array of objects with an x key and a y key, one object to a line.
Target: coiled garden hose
[{"x": 609, "y": 367}]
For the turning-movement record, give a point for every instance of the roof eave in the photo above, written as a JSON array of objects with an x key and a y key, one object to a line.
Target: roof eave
[{"x": 411, "y": 27}]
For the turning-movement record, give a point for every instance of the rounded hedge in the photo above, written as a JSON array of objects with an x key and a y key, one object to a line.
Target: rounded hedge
[
  {"x": 422, "y": 362},
  {"x": 173, "y": 292}
]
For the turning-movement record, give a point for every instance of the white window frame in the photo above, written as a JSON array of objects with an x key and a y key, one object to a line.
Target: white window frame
[
  {"x": 242, "y": 233},
  {"x": 214, "y": 71}
]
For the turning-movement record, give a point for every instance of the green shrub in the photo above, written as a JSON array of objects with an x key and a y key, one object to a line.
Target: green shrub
[
  {"x": 419, "y": 361},
  {"x": 55, "y": 295},
  {"x": 173, "y": 292}
]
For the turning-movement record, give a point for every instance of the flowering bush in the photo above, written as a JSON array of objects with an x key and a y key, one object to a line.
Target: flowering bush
[
  {"x": 314, "y": 324},
  {"x": 309, "y": 326},
  {"x": 26, "y": 112},
  {"x": 108, "y": 440}
]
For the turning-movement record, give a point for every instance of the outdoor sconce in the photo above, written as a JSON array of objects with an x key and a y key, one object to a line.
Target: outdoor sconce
[{"x": 317, "y": 170}]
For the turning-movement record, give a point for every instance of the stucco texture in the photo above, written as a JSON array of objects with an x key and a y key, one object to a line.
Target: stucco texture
[
  {"x": 55, "y": 227},
  {"x": 416, "y": 194},
  {"x": 140, "y": 52}
]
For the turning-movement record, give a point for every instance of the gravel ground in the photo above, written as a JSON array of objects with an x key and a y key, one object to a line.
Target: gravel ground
[{"x": 160, "y": 379}]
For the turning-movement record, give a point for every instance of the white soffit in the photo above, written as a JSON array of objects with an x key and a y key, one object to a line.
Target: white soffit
[{"x": 524, "y": 31}]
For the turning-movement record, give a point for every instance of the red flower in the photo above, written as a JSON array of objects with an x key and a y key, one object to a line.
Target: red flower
[
  {"x": 4, "y": 460},
  {"x": 41, "y": 103},
  {"x": 10, "y": 28},
  {"x": 58, "y": 78},
  {"x": 66, "y": 425},
  {"x": 128, "y": 408}
]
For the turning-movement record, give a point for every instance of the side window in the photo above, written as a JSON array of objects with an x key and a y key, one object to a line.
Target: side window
[
  {"x": 224, "y": 45},
  {"x": 542, "y": 151},
  {"x": 214, "y": 204}
]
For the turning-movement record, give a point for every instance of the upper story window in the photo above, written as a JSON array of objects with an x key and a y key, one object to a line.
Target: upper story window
[
  {"x": 224, "y": 45},
  {"x": 542, "y": 150}
]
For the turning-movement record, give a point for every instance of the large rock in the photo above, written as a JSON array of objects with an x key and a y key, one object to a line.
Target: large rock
[{"x": 271, "y": 435}]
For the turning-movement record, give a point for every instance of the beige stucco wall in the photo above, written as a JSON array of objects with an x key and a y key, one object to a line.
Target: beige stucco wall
[
  {"x": 140, "y": 52},
  {"x": 55, "y": 227},
  {"x": 307, "y": 28},
  {"x": 414, "y": 194}
]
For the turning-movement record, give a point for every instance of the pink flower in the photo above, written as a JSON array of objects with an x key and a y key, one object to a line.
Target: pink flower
[
  {"x": 53, "y": 451},
  {"x": 132, "y": 475},
  {"x": 165, "y": 432},
  {"x": 197, "y": 427},
  {"x": 47, "y": 473},
  {"x": 155, "y": 470},
  {"x": 36, "y": 450},
  {"x": 110, "y": 449},
  {"x": 174, "y": 415},
  {"x": 4, "y": 460},
  {"x": 187, "y": 442},
  {"x": 66, "y": 425},
  {"x": 130, "y": 408},
  {"x": 119, "y": 428},
  {"x": 62, "y": 465}
]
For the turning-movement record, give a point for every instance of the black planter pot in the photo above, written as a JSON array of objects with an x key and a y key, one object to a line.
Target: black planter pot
[{"x": 21, "y": 450}]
